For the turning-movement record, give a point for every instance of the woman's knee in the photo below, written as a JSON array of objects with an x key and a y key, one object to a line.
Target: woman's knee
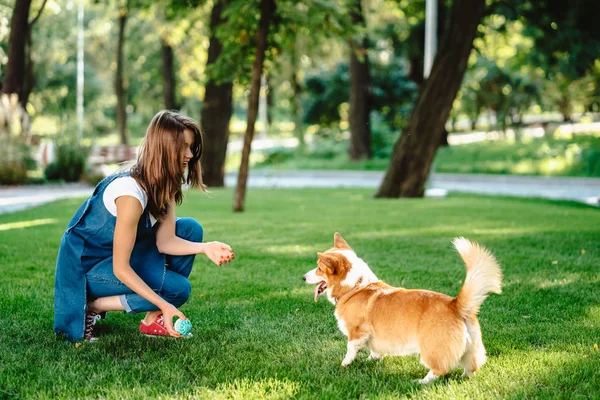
[
  {"x": 189, "y": 229},
  {"x": 176, "y": 289}
]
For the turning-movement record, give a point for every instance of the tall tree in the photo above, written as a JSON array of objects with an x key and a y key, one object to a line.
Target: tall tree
[
  {"x": 119, "y": 80},
  {"x": 415, "y": 149},
  {"x": 19, "y": 77},
  {"x": 168, "y": 74},
  {"x": 360, "y": 90},
  {"x": 14, "y": 78},
  {"x": 267, "y": 9},
  {"x": 216, "y": 108}
]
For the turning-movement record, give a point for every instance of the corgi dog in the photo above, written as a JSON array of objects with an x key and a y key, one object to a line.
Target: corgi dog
[{"x": 395, "y": 321}]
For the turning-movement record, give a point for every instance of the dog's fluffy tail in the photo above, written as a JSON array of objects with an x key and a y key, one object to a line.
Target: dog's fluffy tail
[{"x": 484, "y": 276}]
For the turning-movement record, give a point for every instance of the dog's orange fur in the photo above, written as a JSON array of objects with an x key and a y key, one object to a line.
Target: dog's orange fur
[{"x": 395, "y": 321}]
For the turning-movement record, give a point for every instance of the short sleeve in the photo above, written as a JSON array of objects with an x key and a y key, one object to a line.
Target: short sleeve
[{"x": 123, "y": 186}]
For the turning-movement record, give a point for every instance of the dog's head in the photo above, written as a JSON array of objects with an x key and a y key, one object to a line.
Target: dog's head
[{"x": 338, "y": 271}]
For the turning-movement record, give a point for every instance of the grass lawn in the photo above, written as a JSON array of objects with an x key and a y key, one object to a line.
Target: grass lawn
[
  {"x": 258, "y": 333},
  {"x": 575, "y": 156}
]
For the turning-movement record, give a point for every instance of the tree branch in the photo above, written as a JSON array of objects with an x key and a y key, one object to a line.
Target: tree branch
[{"x": 33, "y": 21}]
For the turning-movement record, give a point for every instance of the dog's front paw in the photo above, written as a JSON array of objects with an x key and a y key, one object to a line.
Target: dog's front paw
[{"x": 346, "y": 362}]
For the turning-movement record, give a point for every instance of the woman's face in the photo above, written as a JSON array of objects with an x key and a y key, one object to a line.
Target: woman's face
[{"x": 187, "y": 155}]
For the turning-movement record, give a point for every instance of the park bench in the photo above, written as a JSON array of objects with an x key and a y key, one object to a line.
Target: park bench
[
  {"x": 101, "y": 156},
  {"x": 111, "y": 154}
]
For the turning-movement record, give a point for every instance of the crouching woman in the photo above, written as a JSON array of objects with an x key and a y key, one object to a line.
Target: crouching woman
[{"x": 124, "y": 248}]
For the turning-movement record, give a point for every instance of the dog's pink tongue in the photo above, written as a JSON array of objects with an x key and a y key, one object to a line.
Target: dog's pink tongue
[{"x": 318, "y": 290}]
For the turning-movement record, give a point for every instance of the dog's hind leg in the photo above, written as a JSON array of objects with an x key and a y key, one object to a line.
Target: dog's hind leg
[
  {"x": 474, "y": 356},
  {"x": 442, "y": 347},
  {"x": 354, "y": 347},
  {"x": 374, "y": 356}
]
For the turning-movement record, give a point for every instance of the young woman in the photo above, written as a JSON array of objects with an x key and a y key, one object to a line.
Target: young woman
[{"x": 124, "y": 249}]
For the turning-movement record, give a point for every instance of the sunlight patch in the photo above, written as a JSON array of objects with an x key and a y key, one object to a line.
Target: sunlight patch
[
  {"x": 291, "y": 249},
  {"x": 383, "y": 233},
  {"x": 505, "y": 231},
  {"x": 26, "y": 224},
  {"x": 248, "y": 389},
  {"x": 546, "y": 284},
  {"x": 594, "y": 314}
]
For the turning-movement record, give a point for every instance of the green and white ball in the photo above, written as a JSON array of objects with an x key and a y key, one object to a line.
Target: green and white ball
[{"x": 183, "y": 326}]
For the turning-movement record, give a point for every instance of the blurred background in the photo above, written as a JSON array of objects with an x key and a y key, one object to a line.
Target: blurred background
[{"x": 332, "y": 84}]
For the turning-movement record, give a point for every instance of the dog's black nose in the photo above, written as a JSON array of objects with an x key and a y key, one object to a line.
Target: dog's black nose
[{"x": 304, "y": 278}]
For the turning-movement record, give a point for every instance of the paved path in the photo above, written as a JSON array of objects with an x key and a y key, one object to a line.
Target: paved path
[
  {"x": 16, "y": 198},
  {"x": 585, "y": 190}
]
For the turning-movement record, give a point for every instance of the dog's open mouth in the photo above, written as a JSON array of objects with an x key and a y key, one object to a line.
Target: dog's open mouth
[{"x": 320, "y": 289}]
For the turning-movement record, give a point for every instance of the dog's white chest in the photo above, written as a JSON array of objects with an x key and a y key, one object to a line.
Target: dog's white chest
[{"x": 341, "y": 323}]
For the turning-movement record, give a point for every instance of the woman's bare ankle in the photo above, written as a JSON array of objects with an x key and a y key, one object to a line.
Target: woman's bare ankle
[
  {"x": 151, "y": 316},
  {"x": 92, "y": 306}
]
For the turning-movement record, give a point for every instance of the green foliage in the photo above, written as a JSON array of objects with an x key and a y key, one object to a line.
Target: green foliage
[
  {"x": 259, "y": 335},
  {"x": 567, "y": 35},
  {"x": 15, "y": 160},
  {"x": 325, "y": 92},
  {"x": 316, "y": 20},
  {"x": 393, "y": 94},
  {"x": 69, "y": 163},
  {"x": 578, "y": 156},
  {"x": 383, "y": 137},
  {"x": 275, "y": 156},
  {"x": 507, "y": 93}
]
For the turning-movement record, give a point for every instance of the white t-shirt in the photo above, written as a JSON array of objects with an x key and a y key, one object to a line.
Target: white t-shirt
[{"x": 124, "y": 186}]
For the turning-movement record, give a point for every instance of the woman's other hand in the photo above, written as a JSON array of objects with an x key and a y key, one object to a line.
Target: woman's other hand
[{"x": 219, "y": 253}]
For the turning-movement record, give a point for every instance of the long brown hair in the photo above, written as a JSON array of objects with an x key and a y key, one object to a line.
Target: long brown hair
[{"x": 159, "y": 165}]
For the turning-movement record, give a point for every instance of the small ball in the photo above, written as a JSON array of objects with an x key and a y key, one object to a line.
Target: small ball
[{"x": 183, "y": 326}]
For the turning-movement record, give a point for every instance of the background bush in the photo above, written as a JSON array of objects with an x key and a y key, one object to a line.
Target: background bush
[
  {"x": 69, "y": 163},
  {"x": 15, "y": 161}
]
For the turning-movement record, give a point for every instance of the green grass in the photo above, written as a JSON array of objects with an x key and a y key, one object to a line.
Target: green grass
[
  {"x": 258, "y": 333},
  {"x": 576, "y": 156}
]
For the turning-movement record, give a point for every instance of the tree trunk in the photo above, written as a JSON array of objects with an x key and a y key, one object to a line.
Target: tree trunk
[
  {"x": 14, "y": 77},
  {"x": 269, "y": 95},
  {"x": 267, "y": 8},
  {"x": 20, "y": 78},
  {"x": 168, "y": 73},
  {"x": 360, "y": 93},
  {"x": 415, "y": 149},
  {"x": 29, "y": 75},
  {"x": 297, "y": 111},
  {"x": 29, "y": 80},
  {"x": 296, "y": 102},
  {"x": 216, "y": 110},
  {"x": 119, "y": 85}
]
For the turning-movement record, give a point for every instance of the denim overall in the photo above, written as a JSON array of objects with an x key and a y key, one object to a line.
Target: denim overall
[{"x": 84, "y": 268}]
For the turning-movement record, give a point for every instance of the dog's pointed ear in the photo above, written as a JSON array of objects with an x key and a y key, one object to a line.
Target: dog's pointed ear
[{"x": 339, "y": 242}]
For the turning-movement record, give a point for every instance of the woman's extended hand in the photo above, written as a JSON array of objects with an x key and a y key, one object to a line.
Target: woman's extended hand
[
  {"x": 219, "y": 253},
  {"x": 169, "y": 312}
]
